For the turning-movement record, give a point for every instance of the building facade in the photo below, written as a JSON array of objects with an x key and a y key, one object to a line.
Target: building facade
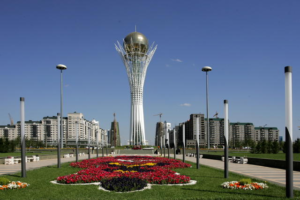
[
  {"x": 239, "y": 132},
  {"x": 46, "y": 130},
  {"x": 266, "y": 133}
]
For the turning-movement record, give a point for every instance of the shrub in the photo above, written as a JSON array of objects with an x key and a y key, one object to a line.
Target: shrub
[
  {"x": 296, "y": 146},
  {"x": 275, "y": 147},
  {"x": 4, "y": 181},
  {"x": 123, "y": 184},
  {"x": 245, "y": 181}
]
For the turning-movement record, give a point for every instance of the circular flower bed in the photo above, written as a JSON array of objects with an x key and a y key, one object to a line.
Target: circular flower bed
[
  {"x": 123, "y": 184},
  {"x": 154, "y": 170}
]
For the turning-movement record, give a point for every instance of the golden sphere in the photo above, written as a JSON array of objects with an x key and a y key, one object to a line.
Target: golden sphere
[{"x": 136, "y": 42}]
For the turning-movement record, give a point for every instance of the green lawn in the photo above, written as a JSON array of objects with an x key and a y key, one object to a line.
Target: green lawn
[
  {"x": 207, "y": 187},
  {"x": 279, "y": 156}
]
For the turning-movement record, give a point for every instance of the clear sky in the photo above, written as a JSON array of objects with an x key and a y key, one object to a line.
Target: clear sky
[{"x": 247, "y": 43}]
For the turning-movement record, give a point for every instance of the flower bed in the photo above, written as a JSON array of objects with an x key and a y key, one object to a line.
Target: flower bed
[
  {"x": 239, "y": 185},
  {"x": 14, "y": 185},
  {"x": 154, "y": 170}
]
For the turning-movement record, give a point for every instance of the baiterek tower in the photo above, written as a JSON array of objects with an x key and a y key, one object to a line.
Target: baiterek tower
[{"x": 136, "y": 56}]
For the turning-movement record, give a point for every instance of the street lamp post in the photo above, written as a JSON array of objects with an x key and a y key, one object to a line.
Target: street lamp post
[
  {"x": 174, "y": 138},
  {"x": 207, "y": 69},
  {"x": 89, "y": 140},
  {"x": 183, "y": 139},
  {"x": 97, "y": 142},
  {"x": 61, "y": 67},
  {"x": 76, "y": 122},
  {"x": 58, "y": 140}
]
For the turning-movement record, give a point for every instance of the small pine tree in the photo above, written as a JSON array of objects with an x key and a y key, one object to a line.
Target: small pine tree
[
  {"x": 269, "y": 146},
  {"x": 275, "y": 147},
  {"x": 6, "y": 146},
  {"x": 1, "y": 145},
  {"x": 258, "y": 147},
  {"x": 284, "y": 147},
  {"x": 253, "y": 147},
  {"x": 264, "y": 146},
  {"x": 296, "y": 146},
  {"x": 12, "y": 146}
]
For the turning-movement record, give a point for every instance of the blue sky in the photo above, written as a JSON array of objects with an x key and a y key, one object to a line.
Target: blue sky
[{"x": 247, "y": 43}]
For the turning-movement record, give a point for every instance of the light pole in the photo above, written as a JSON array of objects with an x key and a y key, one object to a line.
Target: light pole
[
  {"x": 89, "y": 140},
  {"x": 76, "y": 122},
  {"x": 97, "y": 142},
  {"x": 61, "y": 67},
  {"x": 58, "y": 140},
  {"x": 207, "y": 69},
  {"x": 289, "y": 131}
]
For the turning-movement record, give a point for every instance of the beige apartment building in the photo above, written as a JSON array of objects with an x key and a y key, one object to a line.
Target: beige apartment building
[{"x": 46, "y": 130}]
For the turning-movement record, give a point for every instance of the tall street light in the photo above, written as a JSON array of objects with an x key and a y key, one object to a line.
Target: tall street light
[
  {"x": 61, "y": 67},
  {"x": 207, "y": 69}
]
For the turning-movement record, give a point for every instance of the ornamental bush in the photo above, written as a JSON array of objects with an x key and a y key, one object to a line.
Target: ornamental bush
[
  {"x": 123, "y": 184},
  {"x": 4, "y": 181},
  {"x": 245, "y": 181}
]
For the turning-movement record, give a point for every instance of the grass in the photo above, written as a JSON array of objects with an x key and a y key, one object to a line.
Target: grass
[
  {"x": 207, "y": 187},
  {"x": 279, "y": 156}
]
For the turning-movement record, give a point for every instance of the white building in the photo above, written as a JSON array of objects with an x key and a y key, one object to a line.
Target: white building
[{"x": 46, "y": 130}]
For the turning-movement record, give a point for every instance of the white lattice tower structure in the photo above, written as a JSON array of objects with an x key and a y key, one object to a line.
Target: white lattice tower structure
[{"x": 136, "y": 57}]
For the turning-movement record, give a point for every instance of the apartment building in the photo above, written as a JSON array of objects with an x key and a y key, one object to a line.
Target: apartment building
[
  {"x": 266, "y": 133},
  {"x": 46, "y": 130}
]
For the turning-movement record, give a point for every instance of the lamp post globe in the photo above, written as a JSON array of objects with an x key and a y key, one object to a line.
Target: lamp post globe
[
  {"x": 207, "y": 69},
  {"x": 61, "y": 67}
]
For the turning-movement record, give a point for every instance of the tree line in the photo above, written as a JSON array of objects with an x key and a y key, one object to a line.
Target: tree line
[{"x": 7, "y": 146}]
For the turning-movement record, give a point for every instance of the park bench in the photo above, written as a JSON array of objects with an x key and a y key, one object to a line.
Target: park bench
[{"x": 66, "y": 155}]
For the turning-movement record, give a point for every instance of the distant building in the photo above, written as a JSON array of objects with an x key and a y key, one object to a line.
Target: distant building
[
  {"x": 171, "y": 136},
  {"x": 159, "y": 132},
  {"x": 46, "y": 130},
  {"x": 238, "y": 132},
  {"x": 161, "y": 129},
  {"x": 266, "y": 133},
  {"x": 114, "y": 137},
  {"x": 216, "y": 129},
  {"x": 190, "y": 133}
]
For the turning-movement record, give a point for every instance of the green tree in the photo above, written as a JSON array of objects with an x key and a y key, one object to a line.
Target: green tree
[
  {"x": 6, "y": 146},
  {"x": 284, "y": 147},
  {"x": 269, "y": 146},
  {"x": 275, "y": 147},
  {"x": 264, "y": 146},
  {"x": 258, "y": 147},
  {"x": 253, "y": 147},
  {"x": 296, "y": 146},
  {"x": 1, "y": 145}
]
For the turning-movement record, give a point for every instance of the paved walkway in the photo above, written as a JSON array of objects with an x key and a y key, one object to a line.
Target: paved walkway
[
  {"x": 12, "y": 169},
  {"x": 274, "y": 175}
]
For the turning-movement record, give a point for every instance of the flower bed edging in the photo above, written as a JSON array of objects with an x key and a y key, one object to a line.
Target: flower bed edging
[
  {"x": 93, "y": 183},
  {"x": 192, "y": 182}
]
